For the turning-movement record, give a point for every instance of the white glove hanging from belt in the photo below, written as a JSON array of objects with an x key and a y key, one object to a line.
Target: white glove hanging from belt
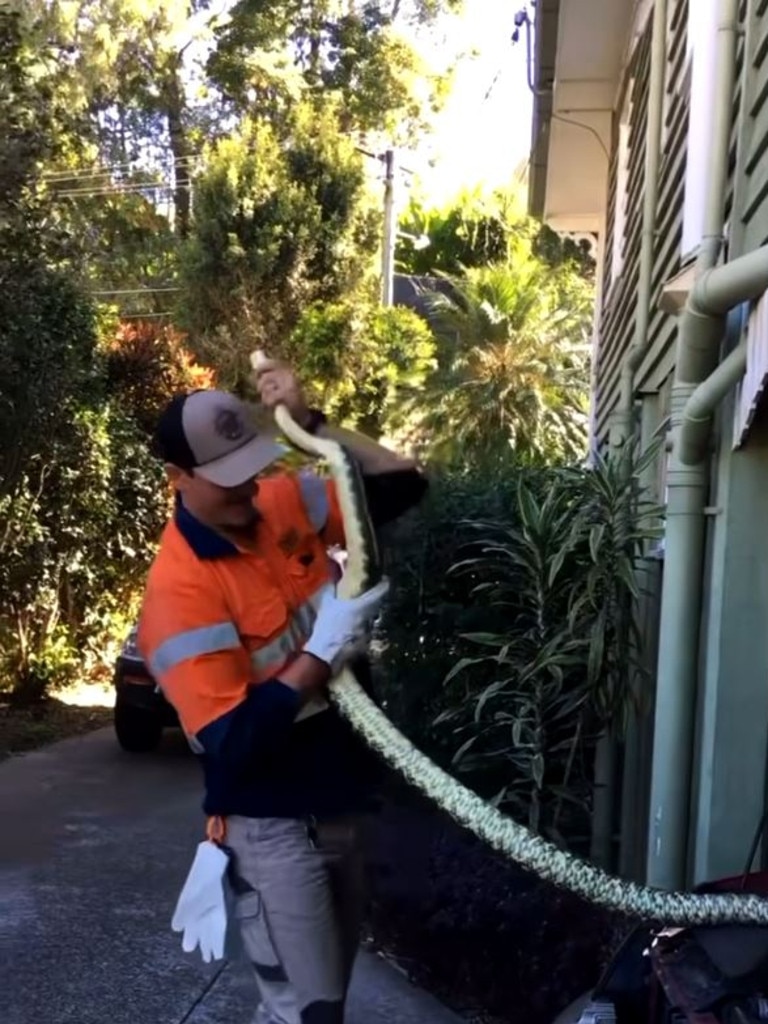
[{"x": 201, "y": 912}]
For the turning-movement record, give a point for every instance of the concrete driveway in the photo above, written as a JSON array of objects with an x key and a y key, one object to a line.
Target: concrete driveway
[{"x": 94, "y": 847}]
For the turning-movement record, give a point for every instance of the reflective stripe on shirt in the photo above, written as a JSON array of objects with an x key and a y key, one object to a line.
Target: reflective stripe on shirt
[
  {"x": 274, "y": 654},
  {"x": 222, "y": 636}
]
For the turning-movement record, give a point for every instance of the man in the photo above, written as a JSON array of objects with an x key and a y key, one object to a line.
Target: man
[{"x": 242, "y": 631}]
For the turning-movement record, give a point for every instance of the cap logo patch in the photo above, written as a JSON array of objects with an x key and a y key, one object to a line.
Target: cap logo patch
[{"x": 229, "y": 425}]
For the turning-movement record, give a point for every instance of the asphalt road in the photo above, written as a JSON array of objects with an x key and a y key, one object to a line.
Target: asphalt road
[{"x": 94, "y": 847}]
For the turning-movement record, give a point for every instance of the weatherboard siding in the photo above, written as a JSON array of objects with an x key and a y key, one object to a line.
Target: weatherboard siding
[{"x": 753, "y": 198}]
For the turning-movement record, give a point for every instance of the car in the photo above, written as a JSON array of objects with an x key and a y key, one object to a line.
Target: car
[
  {"x": 141, "y": 712},
  {"x": 713, "y": 974}
]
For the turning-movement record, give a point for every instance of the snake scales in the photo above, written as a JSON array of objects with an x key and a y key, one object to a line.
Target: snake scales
[{"x": 515, "y": 841}]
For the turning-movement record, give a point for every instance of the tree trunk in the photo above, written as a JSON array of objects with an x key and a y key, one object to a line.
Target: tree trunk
[{"x": 175, "y": 108}]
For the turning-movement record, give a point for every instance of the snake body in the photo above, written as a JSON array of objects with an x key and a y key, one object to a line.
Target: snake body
[{"x": 500, "y": 832}]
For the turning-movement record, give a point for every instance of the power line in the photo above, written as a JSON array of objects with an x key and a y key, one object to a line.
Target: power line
[
  {"x": 89, "y": 172},
  {"x": 493, "y": 85},
  {"x": 123, "y": 190},
  {"x": 115, "y": 190},
  {"x": 137, "y": 291},
  {"x": 144, "y": 316},
  {"x": 382, "y": 159},
  {"x": 104, "y": 168},
  {"x": 104, "y": 178}
]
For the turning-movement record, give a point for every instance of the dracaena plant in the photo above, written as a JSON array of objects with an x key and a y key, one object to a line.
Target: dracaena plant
[{"x": 562, "y": 657}]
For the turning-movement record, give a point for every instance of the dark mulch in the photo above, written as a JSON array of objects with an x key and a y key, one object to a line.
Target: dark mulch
[
  {"x": 491, "y": 941},
  {"x": 24, "y": 728}
]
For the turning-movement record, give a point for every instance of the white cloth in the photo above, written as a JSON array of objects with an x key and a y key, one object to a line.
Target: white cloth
[{"x": 201, "y": 910}]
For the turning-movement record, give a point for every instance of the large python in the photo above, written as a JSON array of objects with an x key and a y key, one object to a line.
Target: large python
[{"x": 529, "y": 850}]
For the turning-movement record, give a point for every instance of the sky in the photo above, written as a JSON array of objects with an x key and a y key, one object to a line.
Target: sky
[{"x": 479, "y": 139}]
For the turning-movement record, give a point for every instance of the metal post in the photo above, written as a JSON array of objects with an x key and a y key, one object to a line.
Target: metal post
[{"x": 390, "y": 230}]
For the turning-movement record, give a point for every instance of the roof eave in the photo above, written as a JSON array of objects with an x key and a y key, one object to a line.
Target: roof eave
[{"x": 544, "y": 61}]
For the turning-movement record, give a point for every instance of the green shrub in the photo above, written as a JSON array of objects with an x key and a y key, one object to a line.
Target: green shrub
[
  {"x": 510, "y": 642},
  {"x": 359, "y": 360},
  {"x": 78, "y": 536},
  {"x": 81, "y": 501}
]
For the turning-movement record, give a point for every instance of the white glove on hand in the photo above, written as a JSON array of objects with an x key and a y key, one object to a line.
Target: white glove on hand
[
  {"x": 341, "y": 623},
  {"x": 201, "y": 912}
]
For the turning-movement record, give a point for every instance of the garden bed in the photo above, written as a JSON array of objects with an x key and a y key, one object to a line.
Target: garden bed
[
  {"x": 25, "y": 728},
  {"x": 491, "y": 941}
]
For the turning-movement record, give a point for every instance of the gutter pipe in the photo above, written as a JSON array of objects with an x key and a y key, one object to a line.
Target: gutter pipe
[
  {"x": 742, "y": 280},
  {"x": 696, "y": 392},
  {"x": 697, "y": 415}
]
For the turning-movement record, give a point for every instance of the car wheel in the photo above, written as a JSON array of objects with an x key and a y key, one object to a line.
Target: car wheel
[{"x": 138, "y": 731}]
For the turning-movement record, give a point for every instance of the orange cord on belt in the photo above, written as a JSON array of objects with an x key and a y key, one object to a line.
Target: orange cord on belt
[{"x": 216, "y": 829}]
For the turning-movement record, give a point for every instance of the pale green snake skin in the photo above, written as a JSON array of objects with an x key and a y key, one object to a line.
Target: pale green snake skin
[{"x": 515, "y": 841}]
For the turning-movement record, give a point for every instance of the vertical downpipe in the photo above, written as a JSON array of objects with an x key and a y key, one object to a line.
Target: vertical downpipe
[{"x": 697, "y": 353}]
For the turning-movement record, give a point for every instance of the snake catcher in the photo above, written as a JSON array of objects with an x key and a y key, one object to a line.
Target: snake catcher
[{"x": 500, "y": 832}]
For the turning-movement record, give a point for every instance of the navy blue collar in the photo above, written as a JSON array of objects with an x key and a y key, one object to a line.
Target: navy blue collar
[{"x": 204, "y": 541}]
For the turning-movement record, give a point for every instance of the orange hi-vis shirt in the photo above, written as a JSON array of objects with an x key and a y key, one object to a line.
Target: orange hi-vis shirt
[
  {"x": 217, "y": 620},
  {"x": 218, "y": 625}
]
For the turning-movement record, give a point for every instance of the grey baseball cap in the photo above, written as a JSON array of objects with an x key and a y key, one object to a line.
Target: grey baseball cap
[{"x": 213, "y": 433}]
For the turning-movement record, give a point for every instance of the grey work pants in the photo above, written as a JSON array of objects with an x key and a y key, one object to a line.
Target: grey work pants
[{"x": 299, "y": 898}]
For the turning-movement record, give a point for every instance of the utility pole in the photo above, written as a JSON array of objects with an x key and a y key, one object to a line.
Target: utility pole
[{"x": 390, "y": 230}]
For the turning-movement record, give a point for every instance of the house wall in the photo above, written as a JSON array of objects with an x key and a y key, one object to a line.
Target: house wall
[
  {"x": 616, "y": 334},
  {"x": 747, "y": 193},
  {"x": 668, "y": 254},
  {"x": 623, "y": 227},
  {"x": 750, "y": 151},
  {"x": 732, "y": 715},
  {"x": 619, "y": 294},
  {"x": 732, "y": 735}
]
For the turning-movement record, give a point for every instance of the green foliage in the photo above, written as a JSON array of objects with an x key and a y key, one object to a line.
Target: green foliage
[
  {"x": 470, "y": 232},
  {"x": 278, "y": 225},
  {"x": 28, "y": 112},
  {"x": 116, "y": 67},
  {"x": 429, "y": 608},
  {"x": 360, "y": 361},
  {"x": 47, "y": 339},
  {"x": 558, "y": 251},
  {"x": 512, "y": 324},
  {"x": 476, "y": 229},
  {"x": 347, "y": 57},
  {"x": 80, "y": 500},
  {"x": 511, "y": 383},
  {"x": 79, "y": 497},
  {"x": 75, "y": 546},
  {"x": 537, "y": 622}
]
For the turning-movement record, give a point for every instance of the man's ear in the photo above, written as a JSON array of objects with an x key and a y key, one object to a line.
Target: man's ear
[{"x": 176, "y": 477}]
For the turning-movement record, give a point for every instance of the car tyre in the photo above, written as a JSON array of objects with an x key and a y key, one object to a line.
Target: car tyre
[{"x": 138, "y": 731}]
